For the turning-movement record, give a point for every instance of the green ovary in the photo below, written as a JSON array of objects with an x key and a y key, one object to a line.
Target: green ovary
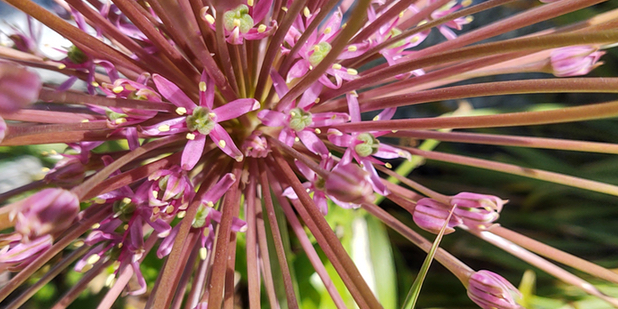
[
  {"x": 299, "y": 119},
  {"x": 76, "y": 55},
  {"x": 320, "y": 51},
  {"x": 201, "y": 120},
  {"x": 369, "y": 145},
  {"x": 238, "y": 17}
]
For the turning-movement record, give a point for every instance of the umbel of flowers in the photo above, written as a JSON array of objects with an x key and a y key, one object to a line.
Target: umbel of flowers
[{"x": 233, "y": 111}]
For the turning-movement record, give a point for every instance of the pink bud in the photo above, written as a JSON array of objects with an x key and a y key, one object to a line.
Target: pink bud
[
  {"x": 349, "y": 183},
  {"x": 48, "y": 211},
  {"x": 477, "y": 211},
  {"x": 490, "y": 291},
  {"x": 430, "y": 215},
  {"x": 574, "y": 60},
  {"x": 18, "y": 87}
]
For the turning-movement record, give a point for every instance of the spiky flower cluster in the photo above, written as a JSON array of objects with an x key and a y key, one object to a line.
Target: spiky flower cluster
[{"x": 232, "y": 112}]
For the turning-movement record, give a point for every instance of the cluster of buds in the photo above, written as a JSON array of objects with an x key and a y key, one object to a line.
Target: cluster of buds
[{"x": 470, "y": 210}]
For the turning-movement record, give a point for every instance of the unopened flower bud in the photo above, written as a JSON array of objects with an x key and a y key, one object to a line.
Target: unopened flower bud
[
  {"x": 67, "y": 172},
  {"x": 430, "y": 215},
  {"x": 490, "y": 291},
  {"x": 349, "y": 183},
  {"x": 574, "y": 60},
  {"x": 46, "y": 212},
  {"x": 478, "y": 211},
  {"x": 18, "y": 87}
]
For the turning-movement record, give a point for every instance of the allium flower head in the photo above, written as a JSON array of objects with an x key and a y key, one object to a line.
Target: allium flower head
[{"x": 229, "y": 153}]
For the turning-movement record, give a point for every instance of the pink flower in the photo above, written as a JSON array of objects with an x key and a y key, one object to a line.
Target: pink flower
[
  {"x": 297, "y": 121},
  {"x": 364, "y": 146},
  {"x": 201, "y": 121},
  {"x": 240, "y": 22}
]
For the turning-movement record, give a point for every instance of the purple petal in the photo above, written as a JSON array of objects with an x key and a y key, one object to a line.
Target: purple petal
[
  {"x": 236, "y": 109},
  {"x": 207, "y": 97},
  {"x": 171, "y": 92},
  {"x": 193, "y": 152},
  {"x": 312, "y": 142},
  {"x": 225, "y": 142},
  {"x": 280, "y": 86},
  {"x": 217, "y": 191},
  {"x": 353, "y": 107},
  {"x": 271, "y": 118}
]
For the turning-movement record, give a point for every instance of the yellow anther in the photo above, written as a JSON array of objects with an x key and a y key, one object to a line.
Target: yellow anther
[
  {"x": 202, "y": 86},
  {"x": 129, "y": 87},
  {"x": 78, "y": 244},
  {"x": 85, "y": 120},
  {"x": 316, "y": 48},
  {"x": 210, "y": 204},
  {"x": 376, "y": 118},
  {"x": 317, "y": 131},
  {"x": 466, "y": 3},
  {"x": 401, "y": 13},
  {"x": 469, "y": 19},
  {"x": 317, "y": 100},
  {"x": 181, "y": 111},
  {"x": 352, "y": 48},
  {"x": 203, "y": 253},
  {"x": 125, "y": 227},
  {"x": 120, "y": 120},
  {"x": 388, "y": 165},
  {"x": 93, "y": 259},
  {"x": 212, "y": 115},
  {"x": 190, "y": 136},
  {"x": 222, "y": 143},
  {"x": 119, "y": 245},
  {"x": 94, "y": 84},
  {"x": 99, "y": 200},
  {"x": 336, "y": 66},
  {"x": 296, "y": 139},
  {"x": 250, "y": 2},
  {"x": 110, "y": 280},
  {"x": 209, "y": 19},
  {"x": 169, "y": 209},
  {"x": 45, "y": 169},
  {"x": 328, "y": 30},
  {"x": 261, "y": 28},
  {"x": 96, "y": 226},
  {"x": 352, "y": 72},
  {"x": 422, "y": 23},
  {"x": 62, "y": 66},
  {"x": 118, "y": 89},
  {"x": 164, "y": 128},
  {"x": 155, "y": 210},
  {"x": 236, "y": 22},
  {"x": 306, "y": 12},
  {"x": 284, "y": 8},
  {"x": 354, "y": 93}
]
